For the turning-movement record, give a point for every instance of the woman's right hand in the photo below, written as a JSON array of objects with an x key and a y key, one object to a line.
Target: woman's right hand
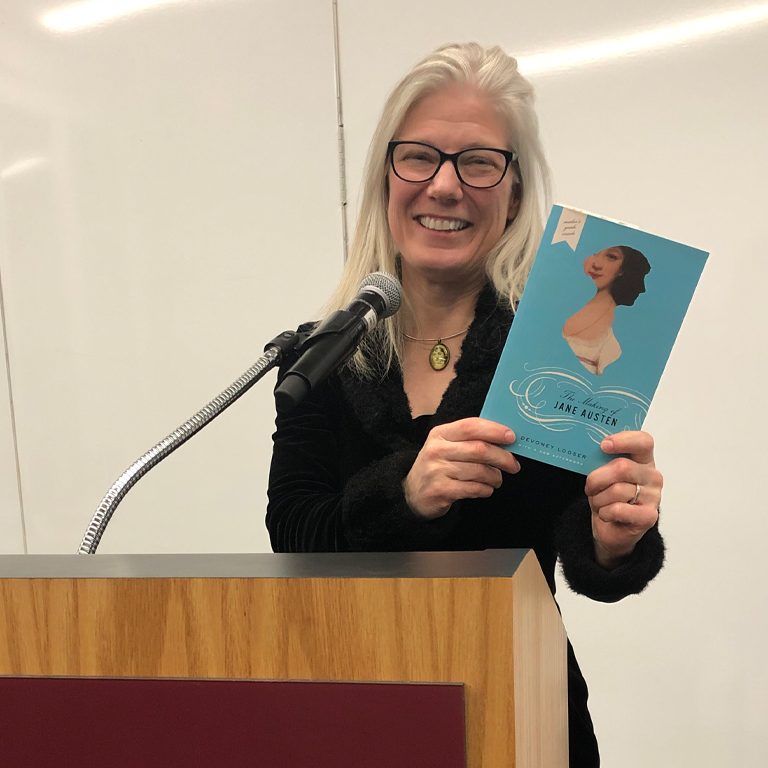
[{"x": 460, "y": 460}]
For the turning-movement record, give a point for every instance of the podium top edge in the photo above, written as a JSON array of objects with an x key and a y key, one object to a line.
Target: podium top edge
[{"x": 492, "y": 563}]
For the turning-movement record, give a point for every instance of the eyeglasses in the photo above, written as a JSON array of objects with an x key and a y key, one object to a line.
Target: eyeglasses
[{"x": 478, "y": 167}]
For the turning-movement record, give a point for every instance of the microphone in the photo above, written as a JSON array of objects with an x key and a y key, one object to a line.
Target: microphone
[{"x": 336, "y": 338}]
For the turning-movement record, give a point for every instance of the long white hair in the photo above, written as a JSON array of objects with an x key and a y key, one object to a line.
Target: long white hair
[{"x": 496, "y": 76}]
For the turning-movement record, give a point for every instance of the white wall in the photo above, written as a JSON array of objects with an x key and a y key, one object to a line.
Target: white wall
[
  {"x": 183, "y": 209},
  {"x": 163, "y": 237}
]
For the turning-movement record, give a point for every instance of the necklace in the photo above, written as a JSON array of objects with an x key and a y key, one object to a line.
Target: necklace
[{"x": 439, "y": 355}]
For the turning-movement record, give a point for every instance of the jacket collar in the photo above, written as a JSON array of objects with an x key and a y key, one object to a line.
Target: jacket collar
[{"x": 381, "y": 404}]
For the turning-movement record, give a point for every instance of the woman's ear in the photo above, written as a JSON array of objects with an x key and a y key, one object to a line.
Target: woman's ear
[{"x": 514, "y": 204}]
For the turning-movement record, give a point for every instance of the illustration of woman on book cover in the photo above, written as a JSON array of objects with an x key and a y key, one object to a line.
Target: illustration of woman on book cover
[{"x": 619, "y": 276}]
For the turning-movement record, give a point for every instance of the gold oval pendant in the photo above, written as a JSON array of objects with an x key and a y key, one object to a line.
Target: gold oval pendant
[{"x": 439, "y": 357}]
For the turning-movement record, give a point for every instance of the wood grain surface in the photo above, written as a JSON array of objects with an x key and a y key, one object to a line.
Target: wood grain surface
[{"x": 469, "y": 630}]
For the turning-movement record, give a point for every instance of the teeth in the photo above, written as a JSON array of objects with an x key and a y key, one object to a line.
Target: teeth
[{"x": 441, "y": 224}]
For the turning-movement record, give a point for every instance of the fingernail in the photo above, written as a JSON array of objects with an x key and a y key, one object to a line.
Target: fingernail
[
  {"x": 509, "y": 436},
  {"x": 607, "y": 445}
]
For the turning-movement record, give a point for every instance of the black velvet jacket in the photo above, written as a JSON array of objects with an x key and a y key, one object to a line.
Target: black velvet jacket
[
  {"x": 339, "y": 461},
  {"x": 336, "y": 480}
]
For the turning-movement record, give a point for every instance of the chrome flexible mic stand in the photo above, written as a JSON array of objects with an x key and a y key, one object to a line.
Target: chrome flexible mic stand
[{"x": 273, "y": 355}]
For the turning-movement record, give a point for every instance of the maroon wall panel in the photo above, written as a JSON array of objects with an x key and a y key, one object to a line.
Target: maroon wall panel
[{"x": 116, "y": 723}]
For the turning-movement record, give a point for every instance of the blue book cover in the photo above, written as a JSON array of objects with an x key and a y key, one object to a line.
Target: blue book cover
[{"x": 599, "y": 315}]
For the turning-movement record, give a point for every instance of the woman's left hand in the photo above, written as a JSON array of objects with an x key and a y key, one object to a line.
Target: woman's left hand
[{"x": 621, "y": 514}]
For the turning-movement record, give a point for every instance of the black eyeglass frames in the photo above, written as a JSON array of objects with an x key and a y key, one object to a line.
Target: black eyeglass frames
[{"x": 477, "y": 167}]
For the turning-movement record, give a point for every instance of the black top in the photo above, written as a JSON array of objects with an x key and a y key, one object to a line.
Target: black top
[
  {"x": 336, "y": 484},
  {"x": 340, "y": 459}
]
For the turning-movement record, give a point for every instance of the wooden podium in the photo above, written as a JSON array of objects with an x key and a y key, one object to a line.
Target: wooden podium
[{"x": 483, "y": 619}]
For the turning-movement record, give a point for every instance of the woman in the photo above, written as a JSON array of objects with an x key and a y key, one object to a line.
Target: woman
[
  {"x": 619, "y": 277},
  {"x": 389, "y": 454}
]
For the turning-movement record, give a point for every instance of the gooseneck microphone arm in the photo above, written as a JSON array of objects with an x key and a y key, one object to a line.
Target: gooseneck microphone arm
[
  {"x": 321, "y": 353},
  {"x": 274, "y": 352}
]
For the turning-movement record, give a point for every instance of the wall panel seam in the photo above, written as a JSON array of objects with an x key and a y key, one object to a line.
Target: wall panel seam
[
  {"x": 14, "y": 433},
  {"x": 340, "y": 130}
]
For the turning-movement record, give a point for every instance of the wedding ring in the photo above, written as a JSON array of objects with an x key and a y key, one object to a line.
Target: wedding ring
[{"x": 634, "y": 499}]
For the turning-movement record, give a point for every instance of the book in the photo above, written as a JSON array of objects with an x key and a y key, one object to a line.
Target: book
[{"x": 595, "y": 326}]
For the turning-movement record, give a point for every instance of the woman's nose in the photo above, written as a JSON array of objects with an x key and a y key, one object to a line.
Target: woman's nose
[{"x": 446, "y": 184}]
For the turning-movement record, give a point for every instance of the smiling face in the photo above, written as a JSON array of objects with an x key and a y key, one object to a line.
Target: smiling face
[
  {"x": 444, "y": 229},
  {"x": 604, "y": 267}
]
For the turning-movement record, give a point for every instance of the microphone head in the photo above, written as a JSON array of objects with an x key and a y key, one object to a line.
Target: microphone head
[{"x": 388, "y": 286}]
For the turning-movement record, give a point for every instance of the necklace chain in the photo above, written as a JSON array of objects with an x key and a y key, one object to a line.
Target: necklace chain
[{"x": 442, "y": 338}]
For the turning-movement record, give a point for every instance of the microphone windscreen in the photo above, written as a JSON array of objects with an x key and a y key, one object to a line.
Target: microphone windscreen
[{"x": 389, "y": 287}]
